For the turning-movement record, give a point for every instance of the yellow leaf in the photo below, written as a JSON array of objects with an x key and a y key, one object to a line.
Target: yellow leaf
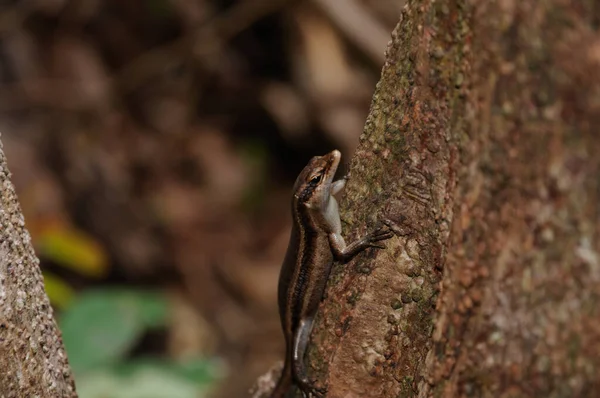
[
  {"x": 59, "y": 292},
  {"x": 73, "y": 249}
]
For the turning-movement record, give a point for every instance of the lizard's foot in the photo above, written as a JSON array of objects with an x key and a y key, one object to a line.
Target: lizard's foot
[
  {"x": 309, "y": 389},
  {"x": 381, "y": 233}
]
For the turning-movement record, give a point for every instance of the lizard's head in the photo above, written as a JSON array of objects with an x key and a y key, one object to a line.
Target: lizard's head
[{"x": 312, "y": 187}]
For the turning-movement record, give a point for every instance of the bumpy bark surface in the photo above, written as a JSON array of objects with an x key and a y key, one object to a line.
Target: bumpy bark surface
[
  {"x": 482, "y": 146},
  {"x": 33, "y": 362}
]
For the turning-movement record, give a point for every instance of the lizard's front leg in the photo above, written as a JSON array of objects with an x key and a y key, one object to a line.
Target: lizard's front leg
[{"x": 345, "y": 253}]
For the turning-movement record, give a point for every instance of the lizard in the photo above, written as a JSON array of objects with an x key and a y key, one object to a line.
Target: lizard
[{"x": 315, "y": 242}]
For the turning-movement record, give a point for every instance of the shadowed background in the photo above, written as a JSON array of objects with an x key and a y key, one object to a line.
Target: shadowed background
[{"x": 153, "y": 144}]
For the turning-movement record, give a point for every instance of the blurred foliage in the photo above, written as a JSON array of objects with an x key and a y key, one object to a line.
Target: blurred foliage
[
  {"x": 61, "y": 294},
  {"x": 149, "y": 378},
  {"x": 73, "y": 249},
  {"x": 255, "y": 157},
  {"x": 102, "y": 326}
]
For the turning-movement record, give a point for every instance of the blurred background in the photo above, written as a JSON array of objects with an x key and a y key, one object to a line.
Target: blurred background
[{"x": 153, "y": 145}]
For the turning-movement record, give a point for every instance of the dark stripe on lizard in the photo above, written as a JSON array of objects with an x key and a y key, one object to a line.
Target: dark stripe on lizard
[{"x": 304, "y": 266}]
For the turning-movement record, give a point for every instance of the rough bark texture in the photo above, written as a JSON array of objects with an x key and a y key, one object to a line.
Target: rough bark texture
[
  {"x": 482, "y": 146},
  {"x": 33, "y": 362}
]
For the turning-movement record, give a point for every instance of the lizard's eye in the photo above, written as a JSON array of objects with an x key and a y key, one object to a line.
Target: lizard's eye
[{"x": 316, "y": 179}]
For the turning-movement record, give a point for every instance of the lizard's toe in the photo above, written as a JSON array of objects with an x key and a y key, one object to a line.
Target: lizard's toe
[{"x": 310, "y": 390}]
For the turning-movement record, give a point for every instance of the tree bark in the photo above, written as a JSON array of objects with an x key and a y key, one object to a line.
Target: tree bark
[
  {"x": 481, "y": 146},
  {"x": 33, "y": 362}
]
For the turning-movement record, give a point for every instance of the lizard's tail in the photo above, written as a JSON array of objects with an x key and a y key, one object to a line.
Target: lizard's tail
[{"x": 284, "y": 383}]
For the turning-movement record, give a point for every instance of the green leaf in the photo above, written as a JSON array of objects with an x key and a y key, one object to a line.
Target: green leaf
[
  {"x": 153, "y": 308},
  {"x": 100, "y": 384},
  {"x": 152, "y": 383},
  {"x": 99, "y": 329},
  {"x": 143, "y": 383},
  {"x": 200, "y": 371},
  {"x": 103, "y": 325}
]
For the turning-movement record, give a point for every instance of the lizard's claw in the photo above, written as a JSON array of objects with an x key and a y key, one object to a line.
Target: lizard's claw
[
  {"x": 317, "y": 392},
  {"x": 309, "y": 390},
  {"x": 382, "y": 233}
]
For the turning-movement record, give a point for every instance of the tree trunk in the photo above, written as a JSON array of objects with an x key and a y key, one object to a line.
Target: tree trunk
[
  {"x": 482, "y": 147},
  {"x": 33, "y": 362}
]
